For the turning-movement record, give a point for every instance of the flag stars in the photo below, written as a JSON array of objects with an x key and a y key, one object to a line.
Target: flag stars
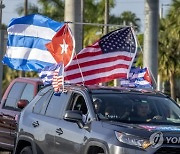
[
  {"x": 119, "y": 40},
  {"x": 64, "y": 47}
]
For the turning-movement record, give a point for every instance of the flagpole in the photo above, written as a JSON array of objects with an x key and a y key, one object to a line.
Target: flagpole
[
  {"x": 63, "y": 78},
  {"x": 78, "y": 64},
  {"x": 96, "y": 24},
  {"x": 80, "y": 69},
  {"x": 63, "y": 63},
  {"x": 152, "y": 77}
]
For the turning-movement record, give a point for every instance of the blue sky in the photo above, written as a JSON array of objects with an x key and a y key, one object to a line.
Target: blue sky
[{"x": 135, "y": 6}]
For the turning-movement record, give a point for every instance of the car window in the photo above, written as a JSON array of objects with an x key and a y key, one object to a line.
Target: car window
[
  {"x": 78, "y": 103},
  {"x": 14, "y": 95},
  {"x": 28, "y": 92},
  {"x": 54, "y": 108},
  {"x": 42, "y": 102},
  {"x": 136, "y": 108}
]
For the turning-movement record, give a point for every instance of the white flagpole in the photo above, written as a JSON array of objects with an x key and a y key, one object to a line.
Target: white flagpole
[
  {"x": 79, "y": 69},
  {"x": 63, "y": 77}
]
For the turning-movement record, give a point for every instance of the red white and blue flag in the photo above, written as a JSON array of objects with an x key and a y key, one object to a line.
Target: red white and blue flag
[
  {"x": 109, "y": 58},
  {"x": 138, "y": 78},
  {"x": 62, "y": 46},
  {"x": 27, "y": 37},
  {"x": 48, "y": 73},
  {"x": 62, "y": 49},
  {"x": 58, "y": 79}
]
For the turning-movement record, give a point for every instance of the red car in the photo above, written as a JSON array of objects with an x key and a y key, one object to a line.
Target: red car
[{"x": 18, "y": 94}]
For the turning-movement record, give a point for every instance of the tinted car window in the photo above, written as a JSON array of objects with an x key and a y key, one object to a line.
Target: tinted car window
[
  {"x": 42, "y": 102},
  {"x": 55, "y": 106},
  {"x": 78, "y": 103},
  {"x": 15, "y": 94},
  {"x": 28, "y": 92},
  {"x": 135, "y": 108}
]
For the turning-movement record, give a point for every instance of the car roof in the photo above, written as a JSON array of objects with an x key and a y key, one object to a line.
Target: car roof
[
  {"x": 107, "y": 89},
  {"x": 29, "y": 79}
]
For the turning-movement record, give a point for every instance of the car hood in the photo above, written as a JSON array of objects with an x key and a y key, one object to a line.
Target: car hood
[{"x": 144, "y": 130}]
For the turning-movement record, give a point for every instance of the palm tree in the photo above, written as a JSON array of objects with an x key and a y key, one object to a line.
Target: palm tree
[
  {"x": 52, "y": 8},
  {"x": 169, "y": 54},
  {"x": 129, "y": 18}
]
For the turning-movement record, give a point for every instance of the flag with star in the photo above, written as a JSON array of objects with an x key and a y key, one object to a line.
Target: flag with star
[
  {"x": 109, "y": 58},
  {"x": 62, "y": 46}
]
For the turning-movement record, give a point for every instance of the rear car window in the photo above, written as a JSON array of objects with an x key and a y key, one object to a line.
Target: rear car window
[{"x": 19, "y": 90}]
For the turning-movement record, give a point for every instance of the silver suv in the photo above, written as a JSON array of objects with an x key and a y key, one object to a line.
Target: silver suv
[{"x": 99, "y": 120}]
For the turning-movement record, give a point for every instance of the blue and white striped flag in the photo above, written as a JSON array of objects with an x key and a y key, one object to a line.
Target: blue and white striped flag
[
  {"x": 27, "y": 37},
  {"x": 49, "y": 72},
  {"x": 138, "y": 78}
]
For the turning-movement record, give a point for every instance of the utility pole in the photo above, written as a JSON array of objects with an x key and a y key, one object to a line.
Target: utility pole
[
  {"x": 162, "y": 10},
  {"x": 22, "y": 74},
  {"x": 160, "y": 84},
  {"x": 106, "y": 17},
  {"x": 73, "y": 13},
  {"x": 150, "y": 56},
  {"x": 1, "y": 47},
  {"x": 106, "y": 21},
  {"x": 25, "y": 7}
]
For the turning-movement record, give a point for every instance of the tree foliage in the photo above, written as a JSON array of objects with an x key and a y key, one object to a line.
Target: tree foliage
[
  {"x": 93, "y": 13},
  {"x": 169, "y": 53}
]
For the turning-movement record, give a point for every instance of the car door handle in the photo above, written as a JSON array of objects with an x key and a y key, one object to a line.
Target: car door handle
[
  {"x": 59, "y": 131},
  {"x": 35, "y": 123}
]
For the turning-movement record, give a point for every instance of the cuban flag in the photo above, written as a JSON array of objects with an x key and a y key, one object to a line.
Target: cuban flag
[
  {"x": 138, "y": 78},
  {"x": 27, "y": 36},
  {"x": 49, "y": 72}
]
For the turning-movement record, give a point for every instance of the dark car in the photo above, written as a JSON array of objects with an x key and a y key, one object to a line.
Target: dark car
[
  {"x": 99, "y": 120},
  {"x": 18, "y": 94}
]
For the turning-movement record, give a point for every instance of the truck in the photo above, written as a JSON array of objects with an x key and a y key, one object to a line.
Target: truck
[{"x": 18, "y": 94}]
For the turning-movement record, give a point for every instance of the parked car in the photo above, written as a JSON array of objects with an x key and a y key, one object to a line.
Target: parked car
[
  {"x": 98, "y": 120},
  {"x": 18, "y": 94}
]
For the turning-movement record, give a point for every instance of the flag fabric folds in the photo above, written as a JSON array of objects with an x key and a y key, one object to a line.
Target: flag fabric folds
[
  {"x": 109, "y": 58},
  {"x": 58, "y": 79},
  {"x": 62, "y": 45},
  {"x": 48, "y": 72},
  {"x": 27, "y": 37},
  {"x": 138, "y": 78}
]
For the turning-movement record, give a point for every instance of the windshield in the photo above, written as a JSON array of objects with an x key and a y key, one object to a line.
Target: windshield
[{"x": 136, "y": 108}]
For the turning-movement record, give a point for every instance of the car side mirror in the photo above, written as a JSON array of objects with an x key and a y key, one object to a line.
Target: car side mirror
[
  {"x": 74, "y": 116},
  {"x": 22, "y": 103}
]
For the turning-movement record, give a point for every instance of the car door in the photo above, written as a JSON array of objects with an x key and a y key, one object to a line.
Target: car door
[
  {"x": 53, "y": 115},
  {"x": 41, "y": 126},
  {"x": 10, "y": 111},
  {"x": 71, "y": 138}
]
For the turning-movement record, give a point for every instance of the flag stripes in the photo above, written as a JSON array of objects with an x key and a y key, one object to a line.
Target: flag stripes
[
  {"x": 47, "y": 73},
  {"x": 92, "y": 66},
  {"x": 57, "y": 81},
  {"x": 27, "y": 37},
  {"x": 138, "y": 78}
]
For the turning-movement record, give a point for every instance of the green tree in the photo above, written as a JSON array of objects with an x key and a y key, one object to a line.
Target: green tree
[
  {"x": 52, "y": 8},
  {"x": 55, "y": 10},
  {"x": 93, "y": 13},
  {"x": 169, "y": 53}
]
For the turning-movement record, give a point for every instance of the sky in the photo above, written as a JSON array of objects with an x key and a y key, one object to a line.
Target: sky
[{"x": 135, "y": 6}]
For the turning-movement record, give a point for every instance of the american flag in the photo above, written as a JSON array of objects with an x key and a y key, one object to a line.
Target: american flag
[
  {"x": 57, "y": 80},
  {"x": 109, "y": 58},
  {"x": 138, "y": 78}
]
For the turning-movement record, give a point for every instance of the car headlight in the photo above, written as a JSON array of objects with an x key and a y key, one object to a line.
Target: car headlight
[{"x": 132, "y": 140}]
